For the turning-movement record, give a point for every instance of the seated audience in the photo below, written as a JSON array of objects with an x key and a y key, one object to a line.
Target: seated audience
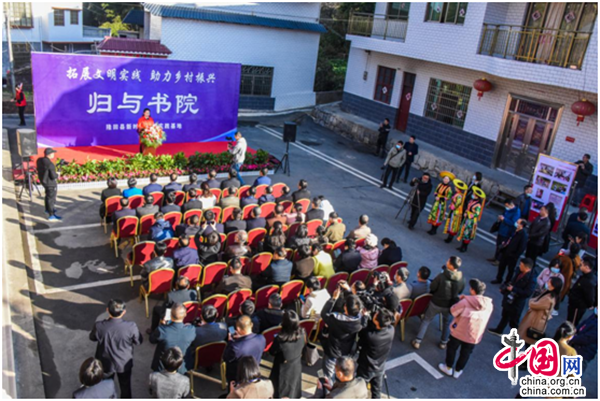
[
  {"x": 193, "y": 202},
  {"x": 272, "y": 315},
  {"x": 190, "y": 229},
  {"x": 299, "y": 238},
  {"x": 231, "y": 199},
  {"x": 402, "y": 289},
  {"x": 180, "y": 294},
  {"x": 323, "y": 262},
  {"x": 350, "y": 258},
  {"x": 209, "y": 330},
  {"x": 192, "y": 184},
  {"x": 211, "y": 180},
  {"x": 320, "y": 237},
  {"x": 304, "y": 266},
  {"x": 315, "y": 213},
  {"x": 277, "y": 217},
  {"x": 235, "y": 223},
  {"x": 336, "y": 230},
  {"x": 173, "y": 185},
  {"x": 250, "y": 198},
  {"x": 249, "y": 383},
  {"x": 132, "y": 190},
  {"x": 125, "y": 211},
  {"x": 262, "y": 179},
  {"x": 93, "y": 382},
  {"x": 235, "y": 280},
  {"x": 153, "y": 186},
  {"x": 280, "y": 270},
  {"x": 363, "y": 229},
  {"x": 239, "y": 247},
  {"x": 208, "y": 251},
  {"x": 255, "y": 220},
  {"x": 159, "y": 261},
  {"x": 172, "y": 334},
  {"x": 302, "y": 192},
  {"x": 286, "y": 195},
  {"x": 109, "y": 192},
  {"x": 148, "y": 207},
  {"x": 369, "y": 253},
  {"x": 243, "y": 343},
  {"x": 421, "y": 285},
  {"x": 210, "y": 224},
  {"x": 207, "y": 199},
  {"x": 390, "y": 254},
  {"x": 184, "y": 255},
  {"x": 170, "y": 205},
  {"x": 326, "y": 207},
  {"x": 247, "y": 308},
  {"x": 315, "y": 300},
  {"x": 267, "y": 196},
  {"x": 295, "y": 215},
  {"x": 275, "y": 239},
  {"x": 161, "y": 229},
  {"x": 231, "y": 181},
  {"x": 169, "y": 383}
]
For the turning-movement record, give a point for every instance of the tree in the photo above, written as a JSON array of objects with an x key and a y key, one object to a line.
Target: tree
[{"x": 108, "y": 15}]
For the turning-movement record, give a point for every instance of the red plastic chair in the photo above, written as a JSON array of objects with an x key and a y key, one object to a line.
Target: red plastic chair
[
  {"x": 395, "y": 267},
  {"x": 338, "y": 246},
  {"x": 260, "y": 262},
  {"x": 192, "y": 308},
  {"x": 217, "y": 193},
  {"x": 158, "y": 198},
  {"x": 243, "y": 191},
  {"x": 127, "y": 227},
  {"x": 278, "y": 189},
  {"x": 305, "y": 204},
  {"x": 193, "y": 273},
  {"x": 287, "y": 206},
  {"x": 261, "y": 298},
  {"x": 334, "y": 280},
  {"x": 588, "y": 202},
  {"x": 146, "y": 222},
  {"x": 230, "y": 238},
  {"x": 292, "y": 230},
  {"x": 255, "y": 237},
  {"x": 320, "y": 327},
  {"x": 219, "y": 301},
  {"x": 418, "y": 308},
  {"x": 360, "y": 243},
  {"x": 111, "y": 205},
  {"x": 159, "y": 282},
  {"x": 270, "y": 335},
  {"x": 246, "y": 264},
  {"x": 267, "y": 209},
  {"x": 227, "y": 213},
  {"x": 217, "y": 211},
  {"x": 322, "y": 281},
  {"x": 289, "y": 254},
  {"x": 174, "y": 218},
  {"x": 136, "y": 201},
  {"x": 312, "y": 227},
  {"x": 340, "y": 220},
  {"x": 260, "y": 190},
  {"x": 172, "y": 244},
  {"x": 290, "y": 291},
  {"x": 328, "y": 248},
  {"x": 190, "y": 213},
  {"x": 206, "y": 356},
  {"x": 359, "y": 275},
  {"x": 400, "y": 317},
  {"x": 213, "y": 274},
  {"x": 308, "y": 325},
  {"x": 247, "y": 211},
  {"x": 235, "y": 300},
  {"x": 140, "y": 254},
  {"x": 179, "y": 198}
]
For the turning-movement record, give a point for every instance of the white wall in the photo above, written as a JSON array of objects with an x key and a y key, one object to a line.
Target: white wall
[
  {"x": 457, "y": 45},
  {"x": 306, "y": 12},
  {"x": 293, "y": 54},
  {"x": 484, "y": 117},
  {"x": 66, "y": 33}
]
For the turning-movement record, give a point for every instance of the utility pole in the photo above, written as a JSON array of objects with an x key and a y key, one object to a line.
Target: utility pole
[{"x": 11, "y": 60}]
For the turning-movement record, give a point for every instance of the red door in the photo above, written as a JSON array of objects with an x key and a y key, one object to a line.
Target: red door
[{"x": 408, "y": 85}]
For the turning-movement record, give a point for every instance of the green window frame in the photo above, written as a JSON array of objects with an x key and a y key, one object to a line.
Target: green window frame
[{"x": 446, "y": 13}]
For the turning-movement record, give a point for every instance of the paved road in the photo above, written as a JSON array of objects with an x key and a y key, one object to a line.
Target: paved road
[{"x": 79, "y": 273}]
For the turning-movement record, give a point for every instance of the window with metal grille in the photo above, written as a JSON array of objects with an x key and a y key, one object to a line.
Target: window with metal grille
[
  {"x": 447, "y": 102},
  {"x": 20, "y": 16},
  {"x": 398, "y": 11},
  {"x": 447, "y": 13},
  {"x": 21, "y": 48},
  {"x": 74, "y": 17},
  {"x": 256, "y": 81},
  {"x": 384, "y": 84},
  {"x": 59, "y": 17}
]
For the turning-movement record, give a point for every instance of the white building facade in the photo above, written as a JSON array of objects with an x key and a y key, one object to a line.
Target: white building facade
[
  {"x": 417, "y": 63},
  {"x": 276, "y": 43}
]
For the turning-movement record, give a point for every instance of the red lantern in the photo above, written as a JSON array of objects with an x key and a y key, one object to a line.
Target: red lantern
[
  {"x": 583, "y": 108},
  {"x": 482, "y": 85}
]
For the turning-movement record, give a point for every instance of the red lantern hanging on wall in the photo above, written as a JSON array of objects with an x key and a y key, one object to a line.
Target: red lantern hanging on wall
[
  {"x": 482, "y": 85},
  {"x": 583, "y": 108}
]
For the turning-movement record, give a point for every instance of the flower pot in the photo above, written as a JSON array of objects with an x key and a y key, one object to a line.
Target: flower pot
[{"x": 149, "y": 150}]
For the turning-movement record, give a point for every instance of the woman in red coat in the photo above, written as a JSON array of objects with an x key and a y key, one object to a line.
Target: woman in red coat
[
  {"x": 20, "y": 102},
  {"x": 143, "y": 123}
]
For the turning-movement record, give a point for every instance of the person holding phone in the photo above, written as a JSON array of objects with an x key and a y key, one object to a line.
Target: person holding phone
[
  {"x": 243, "y": 343},
  {"x": 347, "y": 386}
]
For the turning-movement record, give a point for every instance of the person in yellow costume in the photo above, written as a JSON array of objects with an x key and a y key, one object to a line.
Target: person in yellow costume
[
  {"x": 443, "y": 193},
  {"x": 468, "y": 229},
  {"x": 455, "y": 215}
]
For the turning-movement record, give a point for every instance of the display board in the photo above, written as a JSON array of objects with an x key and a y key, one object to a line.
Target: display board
[{"x": 83, "y": 100}]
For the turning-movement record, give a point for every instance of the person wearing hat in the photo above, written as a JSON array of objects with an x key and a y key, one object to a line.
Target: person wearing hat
[
  {"x": 456, "y": 210},
  {"x": 132, "y": 190},
  {"x": 47, "y": 175},
  {"x": 21, "y": 103},
  {"x": 443, "y": 193},
  {"x": 471, "y": 215}
]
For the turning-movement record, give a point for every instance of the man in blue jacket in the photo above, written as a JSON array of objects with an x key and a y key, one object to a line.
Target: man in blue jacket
[
  {"x": 507, "y": 226},
  {"x": 154, "y": 186},
  {"x": 243, "y": 343},
  {"x": 585, "y": 340},
  {"x": 161, "y": 229}
]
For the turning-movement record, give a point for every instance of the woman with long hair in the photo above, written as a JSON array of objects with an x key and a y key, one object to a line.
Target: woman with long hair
[
  {"x": 540, "y": 311},
  {"x": 299, "y": 238},
  {"x": 276, "y": 238},
  {"x": 249, "y": 384},
  {"x": 286, "y": 374},
  {"x": 207, "y": 198}
]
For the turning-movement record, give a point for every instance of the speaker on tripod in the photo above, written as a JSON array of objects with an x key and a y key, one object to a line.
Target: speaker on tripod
[
  {"x": 289, "y": 135},
  {"x": 27, "y": 147}
]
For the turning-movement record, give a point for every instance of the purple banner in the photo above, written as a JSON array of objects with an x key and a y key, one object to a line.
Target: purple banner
[{"x": 85, "y": 100}]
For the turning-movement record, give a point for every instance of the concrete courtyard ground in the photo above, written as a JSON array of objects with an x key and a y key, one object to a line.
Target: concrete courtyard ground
[{"x": 74, "y": 272}]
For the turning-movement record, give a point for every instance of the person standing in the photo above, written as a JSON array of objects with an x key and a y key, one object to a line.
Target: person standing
[
  {"x": 442, "y": 194},
  {"x": 540, "y": 311},
  {"x": 445, "y": 290},
  {"x": 169, "y": 334},
  {"x": 169, "y": 384},
  {"x": 506, "y": 227},
  {"x": 248, "y": 382},
  {"x": 468, "y": 229},
  {"x": 583, "y": 294},
  {"x": 585, "y": 340},
  {"x": 384, "y": 132},
  {"x": 144, "y": 123},
  {"x": 47, "y": 176},
  {"x": 412, "y": 149},
  {"x": 538, "y": 230},
  {"x": 419, "y": 198},
  {"x": 574, "y": 228},
  {"x": 471, "y": 315},
  {"x": 523, "y": 201},
  {"x": 584, "y": 170},
  {"x": 21, "y": 103},
  {"x": 395, "y": 159},
  {"x": 243, "y": 343},
  {"x": 510, "y": 252},
  {"x": 454, "y": 219},
  {"x": 238, "y": 151},
  {"x": 116, "y": 338},
  {"x": 286, "y": 373},
  {"x": 476, "y": 181}
]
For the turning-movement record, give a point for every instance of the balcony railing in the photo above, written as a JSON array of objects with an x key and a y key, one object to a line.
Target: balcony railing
[
  {"x": 555, "y": 47},
  {"x": 377, "y": 26},
  {"x": 93, "y": 32}
]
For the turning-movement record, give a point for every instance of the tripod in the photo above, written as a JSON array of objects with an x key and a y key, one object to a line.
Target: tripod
[
  {"x": 285, "y": 161},
  {"x": 408, "y": 200},
  {"x": 28, "y": 178}
]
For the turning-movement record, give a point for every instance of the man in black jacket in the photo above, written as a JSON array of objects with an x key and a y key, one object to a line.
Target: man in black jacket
[
  {"x": 315, "y": 213},
  {"x": 232, "y": 181},
  {"x": 375, "y": 342},
  {"x": 583, "y": 294},
  {"x": 384, "y": 132},
  {"x": 340, "y": 339},
  {"x": 193, "y": 203},
  {"x": 574, "y": 228},
  {"x": 148, "y": 208},
  {"x": 235, "y": 223},
  {"x": 540, "y": 227},
  {"x": 349, "y": 260},
  {"x": 511, "y": 251},
  {"x": 116, "y": 338},
  {"x": 47, "y": 175},
  {"x": 272, "y": 315},
  {"x": 584, "y": 170},
  {"x": 180, "y": 294},
  {"x": 412, "y": 149},
  {"x": 212, "y": 179},
  {"x": 515, "y": 295},
  {"x": 390, "y": 254},
  {"x": 256, "y": 221},
  {"x": 108, "y": 192},
  {"x": 190, "y": 229},
  {"x": 419, "y": 199},
  {"x": 302, "y": 192},
  {"x": 170, "y": 205}
]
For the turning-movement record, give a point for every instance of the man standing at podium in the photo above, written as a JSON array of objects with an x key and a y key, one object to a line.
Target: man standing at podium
[
  {"x": 143, "y": 123},
  {"x": 47, "y": 175}
]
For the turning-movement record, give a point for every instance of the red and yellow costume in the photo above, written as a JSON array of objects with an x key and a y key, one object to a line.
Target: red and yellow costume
[{"x": 443, "y": 192}]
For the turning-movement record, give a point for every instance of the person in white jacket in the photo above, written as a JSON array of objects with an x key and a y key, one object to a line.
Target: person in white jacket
[
  {"x": 239, "y": 154},
  {"x": 471, "y": 316},
  {"x": 315, "y": 300}
]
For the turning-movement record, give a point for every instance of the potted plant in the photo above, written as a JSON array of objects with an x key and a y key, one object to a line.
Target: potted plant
[{"x": 151, "y": 138}]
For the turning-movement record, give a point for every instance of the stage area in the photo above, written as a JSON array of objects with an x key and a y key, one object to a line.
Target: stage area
[{"x": 81, "y": 153}]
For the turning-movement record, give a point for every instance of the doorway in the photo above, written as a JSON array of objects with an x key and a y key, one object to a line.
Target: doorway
[
  {"x": 408, "y": 85},
  {"x": 528, "y": 130}
]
